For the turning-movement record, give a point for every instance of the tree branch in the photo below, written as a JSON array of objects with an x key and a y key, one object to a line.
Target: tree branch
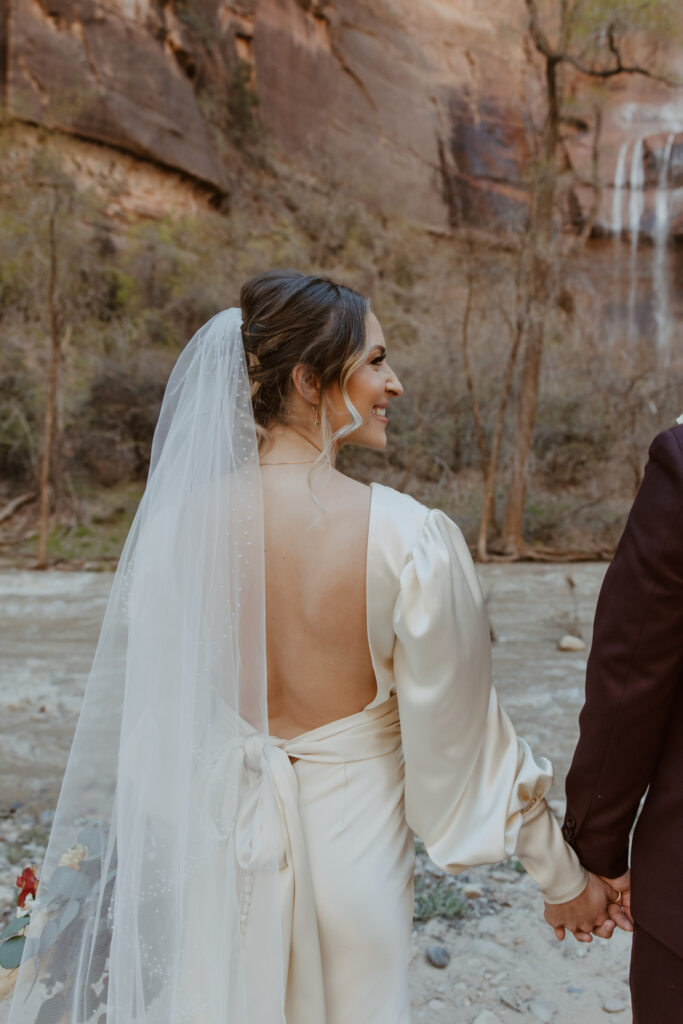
[
  {"x": 559, "y": 55},
  {"x": 619, "y": 67},
  {"x": 596, "y": 181},
  {"x": 13, "y": 506},
  {"x": 476, "y": 409},
  {"x": 612, "y": 43},
  {"x": 539, "y": 37}
]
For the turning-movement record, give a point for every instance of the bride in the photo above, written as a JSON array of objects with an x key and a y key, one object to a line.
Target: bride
[{"x": 293, "y": 677}]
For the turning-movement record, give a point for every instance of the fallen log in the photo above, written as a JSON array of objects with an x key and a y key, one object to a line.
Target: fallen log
[{"x": 15, "y": 504}]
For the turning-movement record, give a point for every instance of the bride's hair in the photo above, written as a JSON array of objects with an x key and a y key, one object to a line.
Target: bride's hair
[{"x": 289, "y": 319}]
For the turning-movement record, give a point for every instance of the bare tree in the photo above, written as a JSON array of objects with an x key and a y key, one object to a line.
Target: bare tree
[
  {"x": 516, "y": 329},
  {"x": 469, "y": 380},
  {"x": 50, "y": 480},
  {"x": 590, "y": 37},
  {"x": 53, "y": 374},
  {"x": 477, "y": 314},
  {"x": 48, "y": 243}
]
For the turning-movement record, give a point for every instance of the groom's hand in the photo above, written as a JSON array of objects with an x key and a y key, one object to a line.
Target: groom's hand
[
  {"x": 587, "y": 913},
  {"x": 620, "y": 912}
]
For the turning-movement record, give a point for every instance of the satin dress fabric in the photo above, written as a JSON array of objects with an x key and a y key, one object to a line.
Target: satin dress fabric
[{"x": 432, "y": 754}]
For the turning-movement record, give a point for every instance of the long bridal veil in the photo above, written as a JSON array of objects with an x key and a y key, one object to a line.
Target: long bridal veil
[{"x": 145, "y": 889}]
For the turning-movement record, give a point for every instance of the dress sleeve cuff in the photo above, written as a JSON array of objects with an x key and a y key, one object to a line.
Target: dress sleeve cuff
[{"x": 549, "y": 860}]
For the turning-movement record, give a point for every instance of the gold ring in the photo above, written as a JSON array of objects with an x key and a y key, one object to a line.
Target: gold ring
[{"x": 619, "y": 897}]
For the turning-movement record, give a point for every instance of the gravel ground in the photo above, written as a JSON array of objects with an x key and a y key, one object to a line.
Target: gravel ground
[{"x": 497, "y": 959}]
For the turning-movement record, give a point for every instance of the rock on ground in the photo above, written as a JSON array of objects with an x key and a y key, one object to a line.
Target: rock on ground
[{"x": 507, "y": 967}]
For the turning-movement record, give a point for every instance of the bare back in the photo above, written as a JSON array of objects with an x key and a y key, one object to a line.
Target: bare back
[{"x": 319, "y": 664}]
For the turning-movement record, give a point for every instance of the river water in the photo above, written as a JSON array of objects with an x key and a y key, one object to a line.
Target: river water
[{"x": 49, "y": 624}]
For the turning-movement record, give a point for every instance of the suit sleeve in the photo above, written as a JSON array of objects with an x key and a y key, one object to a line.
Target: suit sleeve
[
  {"x": 634, "y": 669},
  {"x": 474, "y": 792}
]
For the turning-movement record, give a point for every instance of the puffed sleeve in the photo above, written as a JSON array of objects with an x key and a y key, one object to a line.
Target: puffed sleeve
[{"x": 474, "y": 792}]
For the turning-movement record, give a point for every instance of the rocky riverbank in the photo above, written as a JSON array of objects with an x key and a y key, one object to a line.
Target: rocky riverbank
[
  {"x": 504, "y": 964},
  {"x": 481, "y": 951}
]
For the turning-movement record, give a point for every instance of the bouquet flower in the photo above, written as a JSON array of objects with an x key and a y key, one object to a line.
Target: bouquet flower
[{"x": 72, "y": 887}]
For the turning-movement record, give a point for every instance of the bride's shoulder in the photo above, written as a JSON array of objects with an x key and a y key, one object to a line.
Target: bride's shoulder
[
  {"x": 403, "y": 520},
  {"x": 403, "y": 531},
  {"x": 398, "y": 501},
  {"x": 396, "y": 519}
]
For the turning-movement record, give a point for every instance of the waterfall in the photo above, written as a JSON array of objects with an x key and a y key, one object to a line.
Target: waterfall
[
  {"x": 637, "y": 200},
  {"x": 636, "y": 206},
  {"x": 661, "y": 263},
  {"x": 662, "y": 199},
  {"x": 620, "y": 182},
  {"x": 617, "y": 194}
]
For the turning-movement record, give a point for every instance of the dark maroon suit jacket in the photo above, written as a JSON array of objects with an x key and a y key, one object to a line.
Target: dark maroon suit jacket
[{"x": 632, "y": 722}]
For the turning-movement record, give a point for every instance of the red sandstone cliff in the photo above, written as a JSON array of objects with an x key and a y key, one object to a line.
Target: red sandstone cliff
[
  {"x": 424, "y": 106},
  {"x": 422, "y": 95}
]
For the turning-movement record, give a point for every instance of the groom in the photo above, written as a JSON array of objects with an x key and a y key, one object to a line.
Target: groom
[{"x": 631, "y": 737}]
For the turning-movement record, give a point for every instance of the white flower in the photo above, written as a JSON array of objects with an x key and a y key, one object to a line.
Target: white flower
[
  {"x": 73, "y": 857},
  {"x": 28, "y": 904},
  {"x": 38, "y": 919}
]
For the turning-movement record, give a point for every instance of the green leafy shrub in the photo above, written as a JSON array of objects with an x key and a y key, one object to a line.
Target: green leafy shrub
[{"x": 438, "y": 900}]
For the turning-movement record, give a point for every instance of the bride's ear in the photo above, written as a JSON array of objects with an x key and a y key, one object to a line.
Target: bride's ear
[{"x": 306, "y": 383}]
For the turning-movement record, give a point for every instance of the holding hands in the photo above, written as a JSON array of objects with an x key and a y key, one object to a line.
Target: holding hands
[{"x": 605, "y": 904}]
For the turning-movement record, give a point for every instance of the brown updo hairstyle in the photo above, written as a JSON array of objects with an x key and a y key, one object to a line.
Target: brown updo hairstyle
[{"x": 289, "y": 319}]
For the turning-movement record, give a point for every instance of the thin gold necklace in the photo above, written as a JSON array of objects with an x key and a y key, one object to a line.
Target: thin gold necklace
[{"x": 295, "y": 462}]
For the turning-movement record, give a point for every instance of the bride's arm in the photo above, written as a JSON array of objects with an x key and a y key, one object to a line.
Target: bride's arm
[{"x": 474, "y": 791}]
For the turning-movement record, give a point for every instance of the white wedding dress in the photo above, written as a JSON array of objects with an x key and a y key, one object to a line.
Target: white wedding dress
[{"x": 433, "y": 753}]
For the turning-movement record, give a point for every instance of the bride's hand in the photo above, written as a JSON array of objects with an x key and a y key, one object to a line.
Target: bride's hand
[{"x": 588, "y": 912}]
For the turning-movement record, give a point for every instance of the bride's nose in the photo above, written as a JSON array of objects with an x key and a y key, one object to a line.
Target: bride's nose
[{"x": 393, "y": 384}]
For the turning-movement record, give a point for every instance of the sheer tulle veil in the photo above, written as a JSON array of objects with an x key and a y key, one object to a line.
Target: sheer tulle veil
[{"x": 145, "y": 889}]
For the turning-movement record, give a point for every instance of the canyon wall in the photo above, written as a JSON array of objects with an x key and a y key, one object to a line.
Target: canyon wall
[
  {"x": 422, "y": 106},
  {"x": 417, "y": 105}
]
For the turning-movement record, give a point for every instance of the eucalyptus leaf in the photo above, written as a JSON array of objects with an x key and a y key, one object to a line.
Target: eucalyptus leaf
[
  {"x": 52, "y": 1011},
  {"x": 49, "y": 898},
  {"x": 54, "y": 882},
  {"x": 68, "y": 914},
  {"x": 15, "y": 926},
  {"x": 92, "y": 1001},
  {"x": 92, "y": 867},
  {"x": 98, "y": 962},
  {"x": 49, "y": 934},
  {"x": 69, "y": 882},
  {"x": 35, "y": 976},
  {"x": 59, "y": 961},
  {"x": 11, "y": 951},
  {"x": 94, "y": 838}
]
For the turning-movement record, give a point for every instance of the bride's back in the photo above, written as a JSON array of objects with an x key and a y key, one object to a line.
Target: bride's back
[
  {"x": 319, "y": 380},
  {"x": 319, "y": 665}
]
